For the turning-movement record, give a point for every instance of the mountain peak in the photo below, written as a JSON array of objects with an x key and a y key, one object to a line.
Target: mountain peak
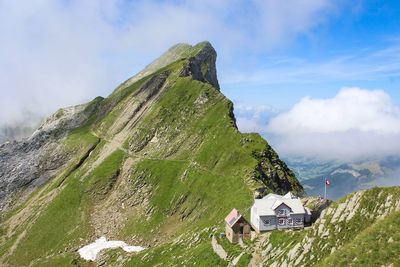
[
  {"x": 202, "y": 63},
  {"x": 201, "y": 57}
]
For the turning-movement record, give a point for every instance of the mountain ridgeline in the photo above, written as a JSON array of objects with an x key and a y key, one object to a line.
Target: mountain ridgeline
[{"x": 158, "y": 163}]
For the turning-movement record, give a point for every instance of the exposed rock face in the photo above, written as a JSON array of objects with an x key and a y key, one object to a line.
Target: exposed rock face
[
  {"x": 202, "y": 66},
  {"x": 203, "y": 61},
  {"x": 317, "y": 205},
  {"x": 273, "y": 172},
  {"x": 29, "y": 163}
]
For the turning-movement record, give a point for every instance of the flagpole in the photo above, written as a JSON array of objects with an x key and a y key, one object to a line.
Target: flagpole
[{"x": 325, "y": 189}]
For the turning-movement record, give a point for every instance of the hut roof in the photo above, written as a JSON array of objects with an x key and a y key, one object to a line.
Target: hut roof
[
  {"x": 267, "y": 205},
  {"x": 233, "y": 217}
]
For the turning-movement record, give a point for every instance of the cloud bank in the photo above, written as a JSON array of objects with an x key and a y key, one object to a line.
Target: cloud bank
[
  {"x": 59, "y": 53},
  {"x": 352, "y": 109},
  {"x": 354, "y": 124},
  {"x": 252, "y": 119}
]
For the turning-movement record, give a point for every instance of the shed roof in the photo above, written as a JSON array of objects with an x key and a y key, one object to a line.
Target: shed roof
[{"x": 232, "y": 217}]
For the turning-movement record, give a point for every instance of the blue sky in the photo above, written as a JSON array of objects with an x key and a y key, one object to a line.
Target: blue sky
[
  {"x": 358, "y": 45},
  {"x": 271, "y": 56}
]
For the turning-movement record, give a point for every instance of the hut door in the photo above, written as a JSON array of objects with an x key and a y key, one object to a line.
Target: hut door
[{"x": 241, "y": 230}]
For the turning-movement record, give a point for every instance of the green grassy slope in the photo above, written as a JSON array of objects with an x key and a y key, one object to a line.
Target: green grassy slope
[
  {"x": 359, "y": 230},
  {"x": 167, "y": 165},
  {"x": 378, "y": 245}
]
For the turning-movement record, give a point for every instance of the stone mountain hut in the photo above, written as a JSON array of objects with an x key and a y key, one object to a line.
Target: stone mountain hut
[
  {"x": 236, "y": 227},
  {"x": 279, "y": 212}
]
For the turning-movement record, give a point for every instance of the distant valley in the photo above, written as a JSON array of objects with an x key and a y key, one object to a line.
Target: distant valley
[{"x": 345, "y": 177}]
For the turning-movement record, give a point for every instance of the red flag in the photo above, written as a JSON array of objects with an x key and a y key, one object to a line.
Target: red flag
[{"x": 327, "y": 182}]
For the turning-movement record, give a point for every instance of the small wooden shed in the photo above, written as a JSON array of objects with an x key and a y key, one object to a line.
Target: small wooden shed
[{"x": 236, "y": 227}]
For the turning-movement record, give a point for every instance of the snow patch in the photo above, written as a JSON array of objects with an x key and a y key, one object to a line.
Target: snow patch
[{"x": 89, "y": 252}]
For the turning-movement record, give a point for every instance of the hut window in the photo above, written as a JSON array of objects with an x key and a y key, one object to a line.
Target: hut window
[
  {"x": 266, "y": 221},
  {"x": 299, "y": 220},
  {"x": 281, "y": 221},
  {"x": 289, "y": 221}
]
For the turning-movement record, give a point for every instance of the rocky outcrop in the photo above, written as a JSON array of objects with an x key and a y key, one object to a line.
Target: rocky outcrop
[
  {"x": 202, "y": 58},
  {"x": 29, "y": 163},
  {"x": 201, "y": 67},
  {"x": 316, "y": 206},
  {"x": 22, "y": 166},
  {"x": 274, "y": 173}
]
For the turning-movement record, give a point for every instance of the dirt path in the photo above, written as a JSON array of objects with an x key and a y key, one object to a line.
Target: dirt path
[
  {"x": 218, "y": 249},
  {"x": 257, "y": 259}
]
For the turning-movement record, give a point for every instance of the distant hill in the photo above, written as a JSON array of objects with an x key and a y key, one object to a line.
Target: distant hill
[{"x": 345, "y": 177}]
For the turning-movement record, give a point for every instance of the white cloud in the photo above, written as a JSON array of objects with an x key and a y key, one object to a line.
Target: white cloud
[
  {"x": 280, "y": 20},
  {"x": 58, "y": 53},
  {"x": 355, "y": 123},
  {"x": 50, "y": 56},
  {"x": 253, "y": 118},
  {"x": 351, "y": 109}
]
